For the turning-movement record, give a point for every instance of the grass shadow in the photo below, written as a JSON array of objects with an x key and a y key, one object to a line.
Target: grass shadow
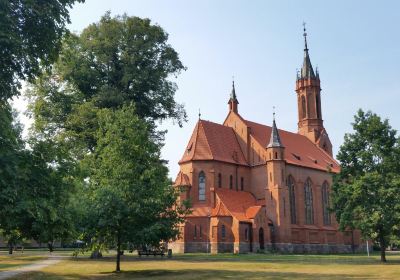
[{"x": 192, "y": 274}]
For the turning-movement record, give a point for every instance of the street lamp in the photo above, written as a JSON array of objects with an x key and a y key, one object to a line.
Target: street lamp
[{"x": 208, "y": 228}]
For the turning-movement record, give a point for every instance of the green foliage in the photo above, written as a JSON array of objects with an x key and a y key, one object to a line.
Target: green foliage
[
  {"x": 115, "y": 62},
  {"x": 131, "y": 199},
  {"x": 99, "y": 106},
  {"x": 366, "y": 193},
  {"x": 10, "y": 152},
  {"x": 30, "y": 33}
]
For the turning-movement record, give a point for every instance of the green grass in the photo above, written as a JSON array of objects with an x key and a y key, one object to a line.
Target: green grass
[
  {"x": 225, "y": 266},
  {"x": 8, "y": 262}
]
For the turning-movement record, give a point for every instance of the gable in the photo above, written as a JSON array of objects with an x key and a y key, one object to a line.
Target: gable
[
  {"x": 212, "y": 141},
  {"x": 299, "y": 150}
]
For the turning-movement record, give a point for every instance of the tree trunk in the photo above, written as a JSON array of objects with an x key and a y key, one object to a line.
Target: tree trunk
[
  {"x": 50, "y": 246},
  {"x": 96, "y": 254},
  {"x": 383, "y": 248},
  {"x": 118, "y": 269},
  {"x": 10, "y": 249}
]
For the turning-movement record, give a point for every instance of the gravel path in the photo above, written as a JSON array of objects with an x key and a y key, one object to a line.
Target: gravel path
[{"x": 28, "y": 268}]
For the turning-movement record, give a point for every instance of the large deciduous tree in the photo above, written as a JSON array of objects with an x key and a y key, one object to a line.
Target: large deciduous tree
[
  {"x": 366, "y": 192},
  {"x": 131, "y": 198},
  {"x": 102, "y": 102},
  {"x": 30, "y": 37},
  {"x": 118, "y": 61}
]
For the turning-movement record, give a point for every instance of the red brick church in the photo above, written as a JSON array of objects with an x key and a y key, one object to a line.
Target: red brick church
[{"x": 255, "y": 187}]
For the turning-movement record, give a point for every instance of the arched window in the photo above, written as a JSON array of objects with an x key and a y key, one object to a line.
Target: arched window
[
  {"x": 303, "y": 107},
  {"x": 219, "y": 180},
  {"x": 241, "y": 183},
  {"x": 223, "y": 231},
  {"x": 231, "y": 182},
  {"x": 195, "y": 231},
  {"x": 292, "y": 200},
  {"x": 317, "y": 101},
  {"x": 202, "y": 186},
  {"x": 308, "y": 201},
  {"x": 325, "y": 204}
]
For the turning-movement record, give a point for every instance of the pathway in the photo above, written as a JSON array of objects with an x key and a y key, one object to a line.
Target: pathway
[{"x": 28, "y": 268}]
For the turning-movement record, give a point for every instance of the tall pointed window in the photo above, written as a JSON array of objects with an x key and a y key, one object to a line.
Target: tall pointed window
[
  {"x": 292, "y": 200},
  {"x": 325, "y": 204},
  {"x": 223, "y": 231},
  {"x": 202, "y": 186},
  {"x": 308, "y": 201},
  {"x": 231, "y": 182},
  {"x": 303, "y": 107},
  {"x": 219, "y": 180},
  {"x": 317, "y": 104}
]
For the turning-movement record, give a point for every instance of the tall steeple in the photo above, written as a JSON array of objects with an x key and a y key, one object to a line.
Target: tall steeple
[
  {"x": 275, "y": 139},
  {"x": 307, "y": 70},
  {"x": 308, "y": 91},
  {"x": 233, "y": 102}
]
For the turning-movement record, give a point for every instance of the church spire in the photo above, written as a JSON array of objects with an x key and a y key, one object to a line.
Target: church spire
[
  {"x": 233, "y": 93},
  {"x": 233, "y": 102},
  {"x": 275, "y": 139},
  {"x": 307, "y": 71}
]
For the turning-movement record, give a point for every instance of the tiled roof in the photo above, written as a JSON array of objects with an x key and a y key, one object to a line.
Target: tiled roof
[
  {"x": 182, "y": 179},
  {"x": 252, "y": 211},
  {"x": 299, "y": 150},
  {"x": 212, "y": 141},
  {"x": 240, "y": 204},
  {"x": 220, "y": 210}
]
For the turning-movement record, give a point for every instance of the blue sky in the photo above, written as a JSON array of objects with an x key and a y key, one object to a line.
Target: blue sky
[{"x": 355, "y": 44}]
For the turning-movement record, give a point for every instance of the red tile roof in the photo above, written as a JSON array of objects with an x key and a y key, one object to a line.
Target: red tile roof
[
  {"x": 299, "y": 150},
  {"x": 182, "y": 180},
  {"x": 240, "y": 204},
  {"x": 212, "y": 141}
]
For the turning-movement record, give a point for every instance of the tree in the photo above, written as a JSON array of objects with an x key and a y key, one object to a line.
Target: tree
[
  {"x": 115, "y": 62},
  {"x": 11, "y": 147},
  {"x": 366, "y": 192},
  {"x": 30, "y": 33},
  {"x": 114, "y": 66},
  {"x": 131, "y": 198},
  {"x": 46, "y": 191},
  {"x": 35, "y": 189}
]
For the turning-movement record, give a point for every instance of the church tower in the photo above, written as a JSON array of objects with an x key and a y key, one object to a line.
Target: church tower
[
  {"x": 276, "y": 192},
  {"x": 308, "y": 91},
  {"x": 233, "y": 102}
]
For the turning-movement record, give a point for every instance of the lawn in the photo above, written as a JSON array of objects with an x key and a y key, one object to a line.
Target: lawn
[
  {"x": 8, "y": 262},
  {"x": 225, "y": 266}
]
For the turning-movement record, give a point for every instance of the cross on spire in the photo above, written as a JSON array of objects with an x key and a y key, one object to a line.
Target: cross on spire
[
  {"x": 273, "y": 112},
  {"x": 305, "y": 36}
]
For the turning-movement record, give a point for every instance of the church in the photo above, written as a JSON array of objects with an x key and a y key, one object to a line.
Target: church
[{"x": 255, "y": 187}]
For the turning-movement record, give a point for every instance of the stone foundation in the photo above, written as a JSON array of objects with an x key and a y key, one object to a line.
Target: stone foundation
[
  {"x": 285, "y": 248},
  {"x": 291, "y": 248}
]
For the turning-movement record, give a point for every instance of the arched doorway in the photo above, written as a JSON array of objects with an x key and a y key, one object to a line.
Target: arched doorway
[{"x": 261, "y": 238}]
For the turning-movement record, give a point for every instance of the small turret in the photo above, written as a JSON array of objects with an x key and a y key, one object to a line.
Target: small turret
[{"x": 233, "y": 102}]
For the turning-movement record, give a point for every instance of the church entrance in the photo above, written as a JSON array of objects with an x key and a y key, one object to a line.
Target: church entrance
[{"x": 261, "y": 238}]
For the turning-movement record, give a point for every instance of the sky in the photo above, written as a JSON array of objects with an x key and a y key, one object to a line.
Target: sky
[{"x": 355, "y": 44}]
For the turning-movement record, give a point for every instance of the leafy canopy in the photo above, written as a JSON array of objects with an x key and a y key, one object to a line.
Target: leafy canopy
[
  {"x": 130, "y": 196},
  {"x": 366, "y": 193},
  {"x": 30, "y": 33}
]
